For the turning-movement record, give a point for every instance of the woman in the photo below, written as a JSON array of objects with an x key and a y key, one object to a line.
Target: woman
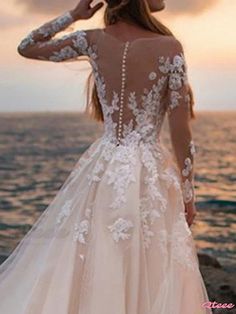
[{"x": 116, "y": 238}]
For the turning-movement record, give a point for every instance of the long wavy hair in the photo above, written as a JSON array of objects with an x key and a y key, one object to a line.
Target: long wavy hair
[{"x": 134, "y": 11}]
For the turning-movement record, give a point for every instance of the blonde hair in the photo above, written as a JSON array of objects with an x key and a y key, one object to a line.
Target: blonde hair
[{"x": 136, "y": 11}]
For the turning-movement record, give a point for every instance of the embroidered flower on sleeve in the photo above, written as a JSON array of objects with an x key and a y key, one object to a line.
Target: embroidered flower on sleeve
[
  {"x": 176, "y": 70},
  {"x": 188, "y": 191},
  {"x": 188, "y": 167},
  {"x": 64, "y": 54},
  {"x": 80, "y": 42},
  {"x": 174, "y": 99},
  {"x": 192, "y": 147},
  {"x": 152, "y": 76}
]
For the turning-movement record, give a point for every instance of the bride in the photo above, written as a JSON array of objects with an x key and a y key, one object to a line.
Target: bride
[{"x": 116, "y": 239}]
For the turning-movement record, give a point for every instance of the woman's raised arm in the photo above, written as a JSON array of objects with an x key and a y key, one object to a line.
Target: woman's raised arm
[{"x": 40, "y": 44}]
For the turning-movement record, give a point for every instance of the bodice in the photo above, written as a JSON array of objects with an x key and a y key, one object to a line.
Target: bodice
[{"x": 132, "y": 93}]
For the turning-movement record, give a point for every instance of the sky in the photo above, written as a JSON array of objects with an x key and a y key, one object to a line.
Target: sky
[{"x": 205, "y": 28}]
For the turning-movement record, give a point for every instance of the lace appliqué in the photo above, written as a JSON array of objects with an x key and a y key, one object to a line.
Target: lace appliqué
[
  {"x": 64, "y": 54},
  {"x": 47, "y": 30},
  {"x": 122, "y": 174},
  {"x": 178, "y": 242},
  {"x": 188, "y": 183},
  {"x": 81, "y": 228},
  {"x": 188, "y": 167},
  {"x": 120, "y": 228},
  {"x": 175, "y": 70},
  {"x": 188, "y": 190},
  {"x": 192, "y": 148},
  {"x": 107, "y": 152},
  {"x": 182, "y": 244},
  {"x": 145, "y": 117},
  {"x": 147, "y": 219},
  {"x": 78, "y": 47},
  {"x": 174, "y": 99},
  {"x": 61, "y": 22},
  {"x": 77, "y": 41},
  {"x": 149, "y": 212},
  {"x": 152, "y": 203},
  {"x": 152, "y": 76},
  {"x": 177, "y": 74},
  {"x": 84, "y": 160},
  {"x": 94, "y": 176},
  {"x": 65, "y": 212}
]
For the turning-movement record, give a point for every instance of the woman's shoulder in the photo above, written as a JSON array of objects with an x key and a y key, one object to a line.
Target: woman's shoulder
[{"x": 172, "y": 43}]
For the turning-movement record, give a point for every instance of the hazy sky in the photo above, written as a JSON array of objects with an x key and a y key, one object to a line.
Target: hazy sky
[{"x": 205, "y": 28}]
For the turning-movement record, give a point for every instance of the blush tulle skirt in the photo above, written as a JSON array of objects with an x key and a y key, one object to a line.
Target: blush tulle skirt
[{"x": 114, "y": 240}]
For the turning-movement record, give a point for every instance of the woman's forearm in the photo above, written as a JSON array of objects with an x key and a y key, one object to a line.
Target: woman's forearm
[{"x": 46, "y": 31}]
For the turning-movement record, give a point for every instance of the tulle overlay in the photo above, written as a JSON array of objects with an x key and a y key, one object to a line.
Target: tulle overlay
[{"x": 113, "y": 241}]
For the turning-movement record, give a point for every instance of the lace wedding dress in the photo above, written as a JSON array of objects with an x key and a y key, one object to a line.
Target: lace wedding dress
[{"x": 115, "y": 240}]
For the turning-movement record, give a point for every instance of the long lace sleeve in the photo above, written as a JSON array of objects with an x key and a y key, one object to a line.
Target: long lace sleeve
[
  {"x": 178, "y": 108},
  {"x": 40, "y": 44}
]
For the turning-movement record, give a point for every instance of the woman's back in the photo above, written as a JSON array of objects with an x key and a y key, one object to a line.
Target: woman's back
[
  {"x": 137, "y": 80},
  {"x": 132, "y": 79}
]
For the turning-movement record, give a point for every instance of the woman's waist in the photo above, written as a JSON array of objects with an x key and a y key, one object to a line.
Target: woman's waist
[{"x": 133, "y": 138}]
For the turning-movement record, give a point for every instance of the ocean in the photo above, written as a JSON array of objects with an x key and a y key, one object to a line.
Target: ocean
[{"x": 38, "y": 151}]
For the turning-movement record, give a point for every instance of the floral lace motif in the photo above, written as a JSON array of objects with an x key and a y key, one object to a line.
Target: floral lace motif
[
  {"x": 179, "y": 244},
  {"x": 65, "y": 212},
  {"x": 82, "y": 227},
  {"x": 67, "y": 47},
  {"x": 176, "y": 70},
  {"x": 188, "y": 182},
  {"x": 122, "y": 175},
  {"x": 64, "y": 54},
  {"x": 145, "y": 117},
  {"x": 182, "y": 244},
  {"x": 147, "y": 219},
  {"x": 120, "y": 228},
  {"x": 107, "y": 150},
  {"x": 79, "y": 47},
  {"x": 188, "y": 167},
  {"x": 188, "y": 190},
  {"x": 154, "y": 204},
  {"x": 192, "y": 148},
  {"x": 48, "y": 30},
  {"x": 177, "y": 73},
  {"x": 152, "y": 76},
  {"x": 174, "y": 99}
]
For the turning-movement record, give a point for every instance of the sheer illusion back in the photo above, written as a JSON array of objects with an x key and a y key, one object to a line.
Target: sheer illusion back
[
  {"x": 115, "y": 238},
  {"x": 131, "y": 91},
  {"x": 132, "y": 83}
]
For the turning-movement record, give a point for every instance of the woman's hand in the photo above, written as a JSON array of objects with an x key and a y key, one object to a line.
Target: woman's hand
[
  {"x": 83, "y": 11},
  {"x": 190, "y": 212}
]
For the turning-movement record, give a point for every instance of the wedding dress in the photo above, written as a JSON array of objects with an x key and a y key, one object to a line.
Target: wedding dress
[{"x": 115, "y": 240}]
